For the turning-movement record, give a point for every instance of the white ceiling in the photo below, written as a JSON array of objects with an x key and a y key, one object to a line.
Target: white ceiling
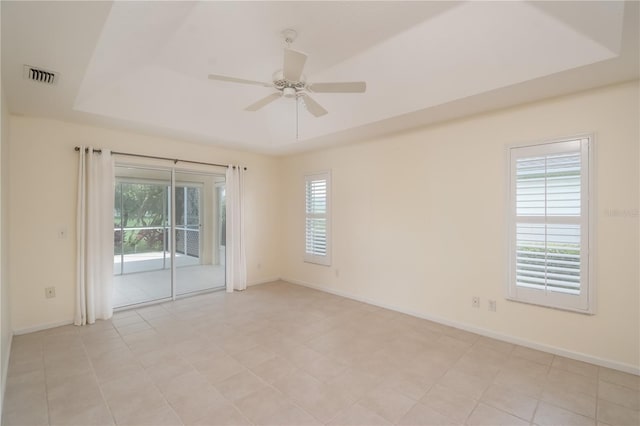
[{"x": 144, "y": 65}]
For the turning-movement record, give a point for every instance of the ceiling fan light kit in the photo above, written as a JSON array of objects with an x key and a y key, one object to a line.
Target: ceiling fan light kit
[{"x": 291, "y": 83}]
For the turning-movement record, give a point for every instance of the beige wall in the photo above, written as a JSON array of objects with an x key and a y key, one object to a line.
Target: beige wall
[
  {"x": 419, "y": 223},
  {"x": 5, "y": 307},
  {"x": 42, "y": 200}
]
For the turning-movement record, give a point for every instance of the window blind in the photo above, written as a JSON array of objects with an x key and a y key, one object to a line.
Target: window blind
[
  {"x": 548, "y": 254},
  {"x": 317, "y": 218},
  {"x": 549, "y": 226}
]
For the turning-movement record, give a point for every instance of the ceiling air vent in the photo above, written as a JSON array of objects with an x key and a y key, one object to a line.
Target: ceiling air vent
[{"x": 40, "y": 75}]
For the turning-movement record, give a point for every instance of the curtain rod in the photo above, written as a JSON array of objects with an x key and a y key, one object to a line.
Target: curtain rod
[{"x": 175, "y": 160}]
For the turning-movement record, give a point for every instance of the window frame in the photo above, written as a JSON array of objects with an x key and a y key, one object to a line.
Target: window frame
[
  {"x": 324, "y": 260},
  {"x": 585, "y": 303}
]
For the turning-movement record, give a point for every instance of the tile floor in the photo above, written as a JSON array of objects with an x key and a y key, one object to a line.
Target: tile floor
[{"x": 279, "y": 354}]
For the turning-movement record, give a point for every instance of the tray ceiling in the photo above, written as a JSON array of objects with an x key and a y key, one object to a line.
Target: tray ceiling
[{"x": 144, "y": 65}]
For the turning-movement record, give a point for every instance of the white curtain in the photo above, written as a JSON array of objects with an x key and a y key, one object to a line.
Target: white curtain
[
  {"x": 235, "y": 250},
  {"x": 94, "y": 236}
]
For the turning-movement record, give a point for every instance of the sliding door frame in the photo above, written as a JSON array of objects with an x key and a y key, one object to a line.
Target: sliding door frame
[{"x": 172, "y": 225}]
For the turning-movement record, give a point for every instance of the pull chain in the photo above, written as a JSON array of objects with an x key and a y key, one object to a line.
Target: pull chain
[{"x": 297, "y": 102}]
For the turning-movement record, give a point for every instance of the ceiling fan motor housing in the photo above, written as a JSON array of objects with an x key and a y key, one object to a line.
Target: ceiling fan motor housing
[{"x": 289, "y": 92}]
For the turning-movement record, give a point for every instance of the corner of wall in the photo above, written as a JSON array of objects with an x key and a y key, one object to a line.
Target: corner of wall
[{"x": 6, "y": 334}]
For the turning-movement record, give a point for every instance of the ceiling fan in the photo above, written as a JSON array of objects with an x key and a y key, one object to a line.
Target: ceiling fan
[{"x": 290, "y": 82}]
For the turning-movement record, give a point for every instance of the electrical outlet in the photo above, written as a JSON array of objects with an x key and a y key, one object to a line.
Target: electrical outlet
[
  {"x": 337, "y": 273},
  {"x": 50, "y": 292},
  {"x": 492, "y": 305},
  {"x": 475, "y": 302}
]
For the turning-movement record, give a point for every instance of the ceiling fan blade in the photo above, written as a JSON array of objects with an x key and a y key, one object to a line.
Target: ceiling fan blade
[
  {"x": 313, "y": 107},
  {"x": 238, "y": 80},
  {"x": 263, "y": 102},
  {"x": 293, "y": 64},
  {"x": 347, "y": 87}
]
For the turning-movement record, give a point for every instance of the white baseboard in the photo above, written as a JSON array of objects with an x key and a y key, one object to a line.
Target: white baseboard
[
  {"x": 262, "y": 281},
  {"x": 41, "y": 327},
  {"x": 627, "y": 368}
]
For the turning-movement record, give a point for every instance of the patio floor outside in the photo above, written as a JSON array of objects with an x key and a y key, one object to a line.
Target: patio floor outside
[{"x": 147, "y": 277}]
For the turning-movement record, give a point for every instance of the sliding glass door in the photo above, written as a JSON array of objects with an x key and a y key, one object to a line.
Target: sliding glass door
[
  {"x": 162, "y": 218},
  {"x": 142, "y": 247},
  {"x": 199, "y": 249}
]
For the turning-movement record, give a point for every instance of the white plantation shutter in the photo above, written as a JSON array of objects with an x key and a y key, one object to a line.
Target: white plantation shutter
[
  {"x": 549, "y": 226},
  {"x": 317, "y": 188}
]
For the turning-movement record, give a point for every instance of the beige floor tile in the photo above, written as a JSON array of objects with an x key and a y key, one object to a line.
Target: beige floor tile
[
  {"x": 95, "y": 414},
  {"x": 237, "y": 343},
  {"x": 254, "y": 356},
  {"x": 123, "y": 321},
  {"x": 357, "y": 415},
  {"x": 260, "y": 405},
  {"x": 324, "y": 405},
  {"x": 575, "y": 366},
  {"x": 25, "y": 365},
  {"x": 240, "y": 385},
  {"x": 620, "y": 378},
  {"x": 431, "y": 363},
  {"x": 162, "y": 356},
  {"x": 112, "y": 370},
  {"x": 300, "y": 355},
  {"x": 572, "y": 382},
  {"x": 534, "y": 355},
  {"x": 570, "y": 399},
  {"x": 133, "y": 328},
  {"x": 25, "y": 397},
  {"x": 298, "y": 383},
  {"x": 472, "y": 386},
  {"x": 388, "y": 403},
  {"x": 128, "y": 407},
  {"x": 495, "y": 345},
  {"x": 126, "y": 385},
  {"x": 289, "y": 416},
  {"x": 325, "y": 368},
  {"x": 355, "y": 383},
  {"x": 72, "y": 396},
  {"x": 327, "y": 359},
  {"x": 157, "y": 416},
  {"x": 318, "y": 399},
  {"x": 450, "y": 403},
  {"x": 411, "y": 384},
  {"x": 521, "y": 381},
  {"x": 475, "y": 366},
  {"x": 27, "y": 378},
  {"x": 191, "y": 405},
  {"x": 185, "y": 384},
  {"x": 617, "y": 415},
  {"x": 420, "y": 414},
  {"x": 224, "y": 415},
  {"x": 220, "y": 368},
  {"x": 63, "y": 367},
  {"x": 550, "y": 415},
  {"x": 484, "y": 415},
  {"x": 32, "y": 416},
  {"x": 513, "y": 402},
  {"x": 620, "y": 395},
  {"x": 205, "y": 357},
  {"x": 531, "y": 368},
  {"x": 164, "y": 375},
  {"x": 273, "y": 369}
]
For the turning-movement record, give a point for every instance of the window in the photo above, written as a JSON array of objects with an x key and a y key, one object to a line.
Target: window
[
  {"x": 317, "y": 220},
  {"x": 549, "y": 242}
]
